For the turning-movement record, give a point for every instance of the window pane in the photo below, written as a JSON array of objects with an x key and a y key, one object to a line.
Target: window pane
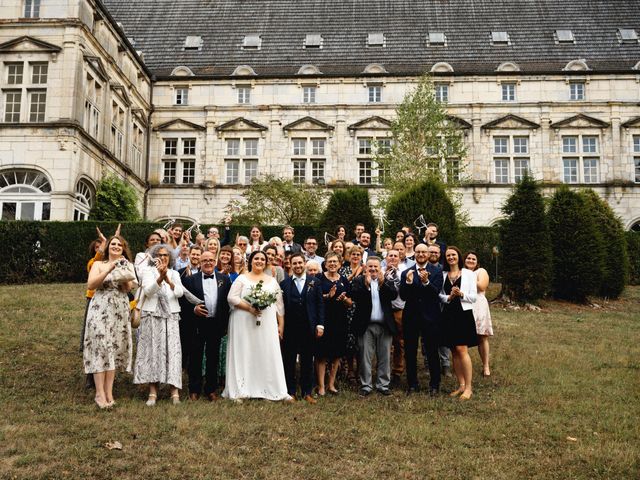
[
  {"x": 508, "y": 92},
  {"x": 171, "y": 147},
  {"x": 39, "y": 73},
  {"x": 520, "y": 167},
  {"x": 27, "y": 210},
  {"x": 502, "y": 170},
  {"x": 46, "y": 211},
  {"x": 636, "y": 143},
  {"x": 15, "y": 72},
  {"x": 520, "y": 145},
  {"x": 233, "y": 147},
  {"x": 251, "y": 147},
  {"x": 12, "y": 103},
  {"x": 364, "y": 146},
  {"x": 442, "y": 93},
  {"x": 182, "y": 96},
  {"x": 375, "y": 94},
  {"x": 232, "y": 171},
  {"x": 590, "y": 170},
  {"x": 188, "y": 171},
  {"x": 570, "y": 166},
  {"x": 317, "y": 171},
  {"x": 244, "y": 95},
  {"x": 299, "y": 171},
  {"x": 37, "y": 104},
  {"x": 365, "y": 173},
  {"x": 250, "y": 170},
  {"x": 189, "y": 146},
  {"x": 9, "y": 211},
  {"x": 501, "y": 145},
  {"x": 590, "y": 144},
  {"x": 169, "y": 172},
  {"x": 637, "y": 165},
  {"x": 569, "y": 144},
  {"x": 317, "y": 147},
  {"x": 576, "y": 91},
  {"x": 309, "y": 94},
  {"x": 299, "y": 146}
]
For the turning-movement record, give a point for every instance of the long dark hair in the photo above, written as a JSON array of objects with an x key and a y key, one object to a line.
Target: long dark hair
[
  {"x": 126, "y": 253},
  {"x": 258, "y": 252},
  {"x": 460, "y": 260}
]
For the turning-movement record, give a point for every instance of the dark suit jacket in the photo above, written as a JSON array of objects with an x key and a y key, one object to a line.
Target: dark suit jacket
[
  {"x": 194, "y": 285},
  {"x": 361, "y": 295},
  {"x": 312, "y": 298},
  {"x": 295, "y": 248},
  {"x": 423, "y": 301}
]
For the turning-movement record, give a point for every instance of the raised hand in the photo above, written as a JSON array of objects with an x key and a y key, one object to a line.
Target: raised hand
[
  {"x": 332, "y": 291},
  {"x": 117, "y": 234},
  {"x": 424, "y": 275}
]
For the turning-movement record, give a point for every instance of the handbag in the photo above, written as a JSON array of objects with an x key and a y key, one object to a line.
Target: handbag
[
  {"x": 123, "y": 273},
  {"x": 136, "y": 312}
]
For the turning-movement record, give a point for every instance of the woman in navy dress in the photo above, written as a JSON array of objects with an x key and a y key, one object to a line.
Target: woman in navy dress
[{"x": 336, "y": 293}]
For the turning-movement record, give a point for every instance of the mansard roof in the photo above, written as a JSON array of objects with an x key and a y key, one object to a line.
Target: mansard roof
[{"x": 282, "y": 26}]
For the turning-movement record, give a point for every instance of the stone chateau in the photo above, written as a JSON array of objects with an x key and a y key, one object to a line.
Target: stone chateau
[{"x": 189, "y": 100}]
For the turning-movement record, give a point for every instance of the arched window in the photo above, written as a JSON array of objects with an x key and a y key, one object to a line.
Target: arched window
[
  {"x": 84, "y": 200},
  {"x": 25, "y": 195}
]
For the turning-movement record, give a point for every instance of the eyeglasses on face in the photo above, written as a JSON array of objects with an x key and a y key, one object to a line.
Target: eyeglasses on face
[
  {"x": 207, "y": 260},
  {"x": 162, "y": 255}
]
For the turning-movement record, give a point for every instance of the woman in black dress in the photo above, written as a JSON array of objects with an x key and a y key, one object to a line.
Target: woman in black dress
[
  {"x": 332, "y": 345},
  {"x": 458, "y": 294}
]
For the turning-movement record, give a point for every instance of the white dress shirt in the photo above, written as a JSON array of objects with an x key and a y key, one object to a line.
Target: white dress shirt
[
  {"x": 377, "y": 315},
  {"x": 210, "y": 289}
]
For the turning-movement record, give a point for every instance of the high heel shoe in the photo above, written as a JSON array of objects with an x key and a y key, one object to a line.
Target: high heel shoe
[
  {"x": 457, "y": 392},
  {"x": 151, "y": 401},
  {"x": 101, "y": 405}
]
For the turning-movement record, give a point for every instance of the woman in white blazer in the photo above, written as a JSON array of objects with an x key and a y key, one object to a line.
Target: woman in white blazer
[
  {"x": 458, "y": 294},
  {"x": 159, "y": 358}
]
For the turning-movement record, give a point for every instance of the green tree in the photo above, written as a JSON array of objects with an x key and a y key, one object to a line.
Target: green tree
[
  {"x": 525, "y": 243},
  {"x": 272, "y": 200},
  {"x": 427, "y": 144},
  {"x": 577, "y": 265},
  {"x": 429, "y": 199},
  {"x": 116, "y": 200},
  {"x": 348, "y": 206},
  {"x": 613, "y": 247}
]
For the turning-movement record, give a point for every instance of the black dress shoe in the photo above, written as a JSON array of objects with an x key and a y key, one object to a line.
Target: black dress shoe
[
  {"x": 364, "y": 392},
  {"x": 434, "y": 392},
  {"x": 413, "y": 389},
  {"x": 385, "y": 391}
]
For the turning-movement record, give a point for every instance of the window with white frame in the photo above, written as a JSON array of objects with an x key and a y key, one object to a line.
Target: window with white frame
[
  {"x": 441, "y": 92},
  {"x": 511, "y": 158},
  {"x": 636, "y": 158},
  {"x": 83, "y": 201},
  {"x": 508, "y": 92},
  {"x": 244, "y": 95},
  {"x": 179, "y": 161},
  {"x": 182, "y": 96},
  {"x": 24, "y": 195},
  {"x": 31, "y": 8},
  {"x": 369, "y": 172},
  {"x": 92, "y": 106},
  {"x": 137, "y": 147},
  {"x": 580, "y": 159},
  {"x": 26, "y": 98},
  {"x": 241, "y": 160},
  {"x": 576, "y": 91},
  {"x": 118, "y": 118},
  {"x": 308, "y": 155},
  {"x": 375, "y": 93},
  {"x": 309, "y": 94}
]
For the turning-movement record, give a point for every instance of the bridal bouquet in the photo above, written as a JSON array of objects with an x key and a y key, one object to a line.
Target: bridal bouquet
[{"x": 259, "y": 298}]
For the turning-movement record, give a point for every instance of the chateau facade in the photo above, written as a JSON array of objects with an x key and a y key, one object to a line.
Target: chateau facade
[{"x": 191, "y": 101}]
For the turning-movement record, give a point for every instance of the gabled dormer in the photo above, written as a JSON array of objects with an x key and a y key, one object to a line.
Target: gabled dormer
[{"x": 96, "y": 64}]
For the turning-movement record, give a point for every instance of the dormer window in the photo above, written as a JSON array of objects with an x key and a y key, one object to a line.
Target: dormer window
[
  {"x": 564, "y": 36},
  {"x": 313, "y": 40},
  {"x": 627, "y": 35},
  {"x": 500, "y": 38},
  {"x": 437, "y": 39},
  {"x": 193, "y": 42},
  {"x": 252, "y": 42},
  {"x": 375, "y": 40}
]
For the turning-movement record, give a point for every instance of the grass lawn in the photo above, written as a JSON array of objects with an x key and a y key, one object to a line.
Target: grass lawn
[{"x": 563, "y": 402}]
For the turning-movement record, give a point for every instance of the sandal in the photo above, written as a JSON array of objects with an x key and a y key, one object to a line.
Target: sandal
[
  {"x": 101, "y": 405},
  {"x": 175, "y": 399},
  {"x": 457, "y": 392},
  {"x": 152, "y": 400}
]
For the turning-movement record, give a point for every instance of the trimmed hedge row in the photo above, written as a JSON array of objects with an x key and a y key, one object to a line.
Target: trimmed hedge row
[
  {"x": 633, "y": 251},
  {"x": 50, "y": 252}
]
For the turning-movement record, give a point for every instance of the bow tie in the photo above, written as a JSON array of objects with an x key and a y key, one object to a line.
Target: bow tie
[{"x": 205, "y": 276}]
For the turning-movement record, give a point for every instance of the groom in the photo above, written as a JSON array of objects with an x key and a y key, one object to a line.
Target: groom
[
  {"x": 210, "y": 321},
  {"x": 303, "y": 322}
]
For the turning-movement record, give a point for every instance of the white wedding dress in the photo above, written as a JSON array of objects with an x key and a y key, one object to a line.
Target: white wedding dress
[{"x": 254, "y": 361}]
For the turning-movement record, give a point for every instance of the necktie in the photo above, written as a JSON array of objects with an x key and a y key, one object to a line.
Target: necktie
[
  {"x": 299, "y": 284},
  {"x": 205, "y": 276}
]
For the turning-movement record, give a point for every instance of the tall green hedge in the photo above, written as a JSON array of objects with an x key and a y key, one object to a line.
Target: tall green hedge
[
  {"x": 50, "y": 252},
  {"x": 348, "y": 206},
  {"x": 633, "y": 251}
]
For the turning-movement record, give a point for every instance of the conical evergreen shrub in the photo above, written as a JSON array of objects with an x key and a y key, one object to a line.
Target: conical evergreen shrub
[
  {"x": 613, "y": 247},
  {"x": 525, "y": 243},
  {"x": 348, "y": 206},
  {"x": 577, "y": 265}
]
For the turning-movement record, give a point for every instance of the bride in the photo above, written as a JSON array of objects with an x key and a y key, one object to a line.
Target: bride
[{"x": 254, "y": 361}]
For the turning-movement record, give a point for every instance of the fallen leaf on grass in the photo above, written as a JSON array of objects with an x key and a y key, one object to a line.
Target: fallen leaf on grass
[
  {"x": 113, "y": 445},
  {"x": 572, "y": 439}
]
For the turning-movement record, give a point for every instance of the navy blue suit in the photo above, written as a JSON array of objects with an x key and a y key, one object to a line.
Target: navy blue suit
[
  {"x": 421, "y": 317},
  {"x": 303, "y": 312}
]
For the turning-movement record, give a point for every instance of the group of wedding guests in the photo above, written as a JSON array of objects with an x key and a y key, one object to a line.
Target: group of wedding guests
[{"x": 275, "y": 320}]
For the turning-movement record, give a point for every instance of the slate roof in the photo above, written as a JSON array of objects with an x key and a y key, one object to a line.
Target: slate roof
[{"x": 159, "y": 29}]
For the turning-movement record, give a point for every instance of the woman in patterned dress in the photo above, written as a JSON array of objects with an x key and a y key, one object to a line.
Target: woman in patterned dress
[
  {"x": 107, "y": 340},
  {"x": 159, "y": 357},
  {"x": 351, "y": 270}
]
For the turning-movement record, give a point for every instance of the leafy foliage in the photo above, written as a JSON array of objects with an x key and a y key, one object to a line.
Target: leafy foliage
[
  {"x": 272, "y": 200},
  {"x": 429, "y": 199},
  {"x": 577, "y": 271},
  {"x": 348, "y": 206},
  {"x": 525, "y": 242},
  {"x": 427, "y": 144},
  {"x": 116, "y": 201},
  {"x": 613, "y": 248},
  {"x": 633, "y": 250}
]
